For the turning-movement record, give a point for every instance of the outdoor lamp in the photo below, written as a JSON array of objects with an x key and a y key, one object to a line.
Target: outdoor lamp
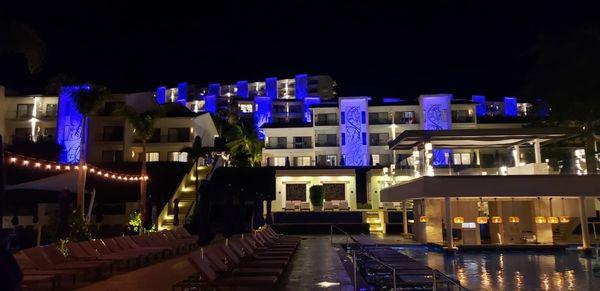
[
  {"x": 513, "y": 219},
  {"x": 496, "y": 219},
  {"x": 482, "y": 219},
  {"x": 540, "y": 219},
  {"x": 424, "y": 218},
  {"x": 552, "y": 219},
  {"x": 459, "y": 219},
  {"x": 564, "y": 219}
]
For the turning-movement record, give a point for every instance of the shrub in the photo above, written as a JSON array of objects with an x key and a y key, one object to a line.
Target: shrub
[
  {"x": 78, "y": 228},
  {"x": 316, "y": 195}
]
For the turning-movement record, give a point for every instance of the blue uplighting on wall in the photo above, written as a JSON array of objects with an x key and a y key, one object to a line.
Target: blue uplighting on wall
[
  {"x": 510, "y": 106},
  {"x": 214, "y": 89},
  {"x": 210, "y": 103},
  {"x": 308, "y": 101},
  {"x": 262, "y": 114},
  {"x": 439, "y": 157},
  {"x": 436, "y": 116},
  {"x": 182, "y": 93},
  {"x": 354, "y": 148},
  {"x": 480, "y": 108},
  {"x": 271, "y": 87},
  {"x": 301, "y": 86},
  {"x": 161, "y": 95},
  {"x": 242, "y": 89},
  {"x": 69, "y": 131},
  {"x": 392, "y": 100}
]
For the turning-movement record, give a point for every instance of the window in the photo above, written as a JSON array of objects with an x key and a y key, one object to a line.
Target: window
[
  {"x": 462, "y": 116},
  {"x": 112, "y": 156},
  {"x": 295, "y": 192},
  {"x": 155, "y": 137},
  {"x": 327, "y": 160},
  {"x": 22, "y": 134},
  {"x": 377, "y": 139},
  {"x": 277, "y": 143},
  {"x": 24, "y": 110},
  {"x": 302, "y": 161},
  {"x": 296, "y": 108},
  {"x": 110, "y": 107},
  {"x": 179, "y": 134},
  {"x": 51, "y": 110},
  {"x": 278, "y": 108},
  {"x": 381, "y": 159},
  {"x": 326, "y": 140},
  {"x": 405, "y": 117},
  {"x": 112, "y": 133},
  {"x": 302, "y": 142},
  {"x": 177, "y": 157},
  {"x": 461, "y": 158},
  {"x": 379, "y": 118},
  {"x": 334, "y": 191},
  {"x": 246, "y": 108},
  {"x": 152, "y": 157},
  {"x": 326, "y": 119},
  {"x": 279, "y": 161}
]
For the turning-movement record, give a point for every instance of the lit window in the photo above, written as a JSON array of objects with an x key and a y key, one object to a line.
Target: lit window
[
  {"x": 152, "y": 157},
  {"x": 461, "y": 158},
  {"x": 246, "y": 108},
  {"x": 302, "y": 161},
  {"x": 279, "y": 161},
  {"x": 178, "y": 157}
]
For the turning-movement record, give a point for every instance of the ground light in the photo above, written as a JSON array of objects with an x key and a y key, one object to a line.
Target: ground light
[
  {"x": 458, "y": 219},
  {"x": 564, "y": 218}
]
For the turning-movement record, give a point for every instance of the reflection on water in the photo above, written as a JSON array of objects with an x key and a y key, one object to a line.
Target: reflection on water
[{"x": 514, "y": 270}]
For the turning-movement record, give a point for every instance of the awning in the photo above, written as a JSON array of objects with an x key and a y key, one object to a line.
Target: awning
[
  {"x": 67, "y": 180},
  {"x": 480, "y": 138},
  {"x": 493, "y": 186}
]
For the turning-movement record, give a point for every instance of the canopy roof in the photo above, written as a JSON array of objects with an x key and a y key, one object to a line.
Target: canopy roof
[
  {"x": 479, "y": 138},
  {"x": 493, "y": 186}
]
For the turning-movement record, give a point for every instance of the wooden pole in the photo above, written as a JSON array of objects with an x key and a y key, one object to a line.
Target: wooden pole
[{"x": 2, "y": 183}]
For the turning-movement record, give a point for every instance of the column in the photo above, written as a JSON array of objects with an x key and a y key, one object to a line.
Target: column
[
  {"x": 517, "y": 155},
  {"x": 405, "y": 218},
  {"x": 537, "y": 150},
  {"x": 585, "y": 236},
  {"x": 448, "y": 221}
]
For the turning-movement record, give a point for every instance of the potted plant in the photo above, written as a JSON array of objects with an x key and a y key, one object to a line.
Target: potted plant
[{"x": 316, "y": 197}]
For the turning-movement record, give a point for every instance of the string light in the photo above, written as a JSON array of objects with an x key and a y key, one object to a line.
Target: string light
[{"x": 39, "y": 163}]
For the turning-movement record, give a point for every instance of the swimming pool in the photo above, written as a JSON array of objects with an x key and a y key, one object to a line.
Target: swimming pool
[{"x": 513, "y": 270}]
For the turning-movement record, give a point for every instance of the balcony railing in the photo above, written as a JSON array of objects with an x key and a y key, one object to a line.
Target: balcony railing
[
  {"x": 326, "y": 144},
  {"x": 166, "y": 139},
  {"x": 380, "y": 121},
  {"x": 326, "y": 122},
  {"x": 293, "y": 145}
]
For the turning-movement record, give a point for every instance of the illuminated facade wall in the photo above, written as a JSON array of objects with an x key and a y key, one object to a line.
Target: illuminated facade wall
[
  {"x": 242, "y": 89},
  {"x": 301, "y": 86},
  {"x": 510, "y": 106},
  {"x": 308, "y": 101},
  {"x": 353, "y": 129},
  {"x": 214, "y": 89},
  {"x": 210, "y": 103},
  {"x": 481, "y": 109},
  {"x": 271, "y": 87},
  {"x": 437, "y": 116},
  {"x": 161, "y": 95},
  {"x": 262, "y": 114},
  {"x": 182, "y": 93},
  {"x": 69, "y": 131}
]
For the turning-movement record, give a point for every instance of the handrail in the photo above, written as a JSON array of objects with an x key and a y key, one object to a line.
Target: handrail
[{"x": 435, "y": 273}]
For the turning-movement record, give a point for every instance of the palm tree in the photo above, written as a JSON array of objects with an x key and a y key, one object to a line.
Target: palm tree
[
  {"x": 195, "y": 152},
  {"x": 88, "y": 99},
  {"x": 245, "y": 147},
  {"x": 20, "y": 38},
  {"x": 143, "y": 130}
]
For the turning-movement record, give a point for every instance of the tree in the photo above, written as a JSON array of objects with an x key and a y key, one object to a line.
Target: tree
[
  {"x": 195, "y": 152},
  {"x": 566, "y": 75},
  {"x": 244, "y": 146},
  {"x": 88, "y": 99},
  {"x": 20, "y": 38},
  {"x": 143, "y": 130}
]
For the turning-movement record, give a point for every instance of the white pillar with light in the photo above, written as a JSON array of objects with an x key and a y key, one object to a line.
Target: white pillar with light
[
  {"x": 448, "y": 220},
  {"x": 537, "y": 150},
  {"x": 585, "y": 236}
]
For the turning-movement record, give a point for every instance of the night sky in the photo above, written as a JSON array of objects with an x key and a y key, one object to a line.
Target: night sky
[{"x": 369, "y": 47}]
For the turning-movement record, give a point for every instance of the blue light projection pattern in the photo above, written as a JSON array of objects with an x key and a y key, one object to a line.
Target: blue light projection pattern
[
  {"x": 301, "y": 86},
  {"x": 480, "y": 108},
  {"x": 242, "y": 89},
  {"x": 354, "y": 151},
  {"x": 262, "y": 114},
  {"x": 510, "y": 106},
  {"x": 161, "y": 95},
  {"x": 271, "y": 87},
  {"x": 210, "y": 103},
  {"x": 182, "y": 93},
  {"x": 308, "y": 101},
  {"x": 214, "y": 89},
  {"x": 436, "y": 116},
  {"x": 69, "y": 131},
  {"x": 392, "y": 100}
]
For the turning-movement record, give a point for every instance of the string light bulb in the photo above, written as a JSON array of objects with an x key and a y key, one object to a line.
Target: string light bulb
[
  {"x": 48, "y": 167},
  {"x": 25, "y": 163},
  {"x": 37, "y": 165},
  {"x": 13, "y": 160}
]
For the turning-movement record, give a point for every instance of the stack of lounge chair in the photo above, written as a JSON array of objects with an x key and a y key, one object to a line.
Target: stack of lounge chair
[
  {"x": 253, "y": 261},
  {"x": 46, "y": 267}
]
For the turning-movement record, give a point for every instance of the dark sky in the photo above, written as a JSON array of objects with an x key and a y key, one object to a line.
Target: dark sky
[{"x": 369, "y": 47}]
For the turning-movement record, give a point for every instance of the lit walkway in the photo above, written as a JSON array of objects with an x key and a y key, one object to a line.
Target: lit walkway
[{"x": 316, "y": 265}]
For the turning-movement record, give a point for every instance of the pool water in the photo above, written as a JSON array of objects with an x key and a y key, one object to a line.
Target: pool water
[{"x": 513, "y": 270}]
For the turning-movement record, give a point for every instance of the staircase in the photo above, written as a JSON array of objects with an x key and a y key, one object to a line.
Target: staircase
[
  {"x": 186, "y": 194},
  {"x": 375, "y": 221}
]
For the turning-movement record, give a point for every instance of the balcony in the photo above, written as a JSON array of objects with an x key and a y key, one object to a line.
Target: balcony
[
  {"x": 374, "y": 121},
  {"x": 326, "y": 144},
  {"x": 166, "y": 139},
  {"x": 327, "y": 122},
  {"x": 295, "y": 145}
]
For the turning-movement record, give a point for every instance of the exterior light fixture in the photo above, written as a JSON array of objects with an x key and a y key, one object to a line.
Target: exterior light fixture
[
  {"x": 480, "y": 219},
  {"x": 552, "y": 219},
  {"x": 13, "y": 160},
  {"x": 512, "y": 218},
  {"x": 540, "y": 219},
  {"x": 496, "y": 219},
  {"x": 458, "y": 219},
  {"x": 423, "y": 218},
  {"x": 564, "y": 218}
]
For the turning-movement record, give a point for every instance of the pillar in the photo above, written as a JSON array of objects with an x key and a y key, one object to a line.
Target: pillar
[
  {"x": 497, "y": 229},
  {"x": 448, "y": 220},
  {"x": 430, "y": 232},
  {"x": 543, "y": 231},
  {"x": 405, "y": 218},
  {"x": 585, "y": 236},
  {"x": 537, "y": 150},
  {"x": 516, "y": 155}
]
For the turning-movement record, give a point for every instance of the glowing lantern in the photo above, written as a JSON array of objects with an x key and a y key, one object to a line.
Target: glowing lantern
[
  {"x": 540, "y": 219},
  {"x": 496, "y": 219},
  {"x": 424, "y": 218},
  {"x": 513, "y": 219},
  {"x": 459, "y": 219},
  {"x": 482, "y": 220},
  {"x": 564, "y": 219},
  {"x": 552, "y": 219}
]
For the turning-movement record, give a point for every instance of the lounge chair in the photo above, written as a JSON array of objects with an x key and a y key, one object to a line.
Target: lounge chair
[
  {"x": 55, "y": 256},
  {"x": 40, "y": 262},
  {"x": 221, "y": 263},
  {"x": 297, "y": 204},
  {"x": 289, "y": 206},
  {"x": 344, "y": 206},
  {"x": 328, "y": 206},
  {"x": 30, "y": 281},
  {"x": 387, "y": 206},
  {"x": 304, "y": 206}
]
